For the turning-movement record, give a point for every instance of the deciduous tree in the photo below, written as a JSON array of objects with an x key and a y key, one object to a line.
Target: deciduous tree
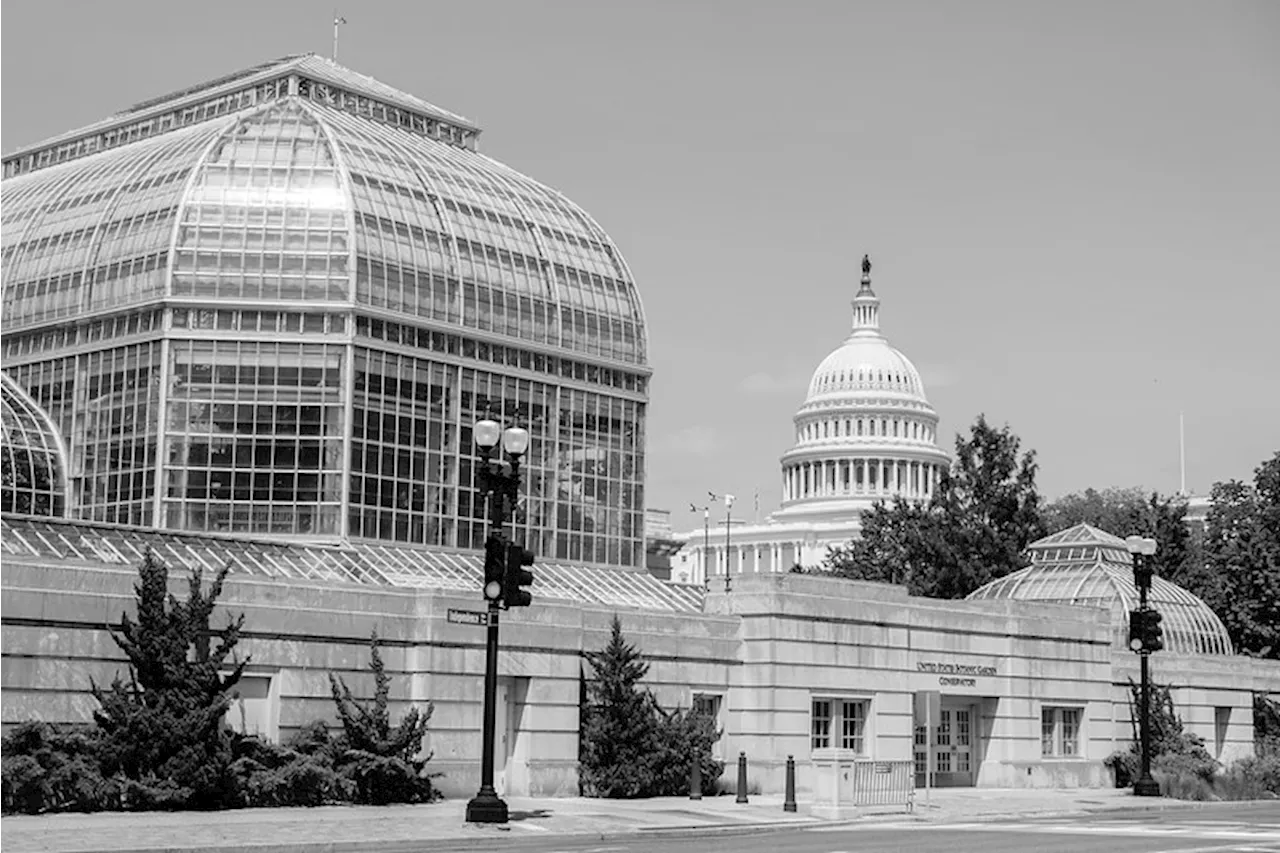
[
  {"x": 984, "y": 513},
  {"x": 1242, "y": 553},
  {"x": 1136, "y": 512}
]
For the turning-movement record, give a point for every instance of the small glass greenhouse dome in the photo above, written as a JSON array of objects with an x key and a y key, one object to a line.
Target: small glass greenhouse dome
[
  {"x": 33, "y": 460},
  {"x": 1087, "y": 566}
]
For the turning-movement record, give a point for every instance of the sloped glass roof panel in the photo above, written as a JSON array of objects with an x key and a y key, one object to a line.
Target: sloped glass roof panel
[{"x": 361, "y": 563}]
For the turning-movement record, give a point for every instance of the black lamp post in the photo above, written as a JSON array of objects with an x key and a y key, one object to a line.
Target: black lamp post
[
  {"x": 1142, "y": 549},
  {"x": 499, "y": 481}
]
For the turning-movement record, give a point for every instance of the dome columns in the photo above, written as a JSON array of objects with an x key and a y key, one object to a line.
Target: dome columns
[{"x": 876, "y": 476}]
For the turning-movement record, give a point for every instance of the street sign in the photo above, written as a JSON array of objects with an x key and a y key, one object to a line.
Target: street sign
[{"x": 468, "y": 617}]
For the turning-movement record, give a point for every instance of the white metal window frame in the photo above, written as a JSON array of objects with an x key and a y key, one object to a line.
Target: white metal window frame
[
  {"x": 1062, "y": 731},
  {"x": 834, "y": 737}
]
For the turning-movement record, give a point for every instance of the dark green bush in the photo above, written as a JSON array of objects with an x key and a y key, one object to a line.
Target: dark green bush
[
  {"x": 48, "y": 768},
  {"x": 382, "y": 763},
  {"x": 163, "y": 729},
  {"x": 1174, "y": 752},
  {"x": 679, "y": 734},
  {"x": 160, "y": 740},
  {"x": 629, "y": 746}
]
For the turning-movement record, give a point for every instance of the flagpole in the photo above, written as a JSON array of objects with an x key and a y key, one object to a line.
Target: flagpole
[
  {"x": 336, "y": 21},
  {"x": 1182, "y": 456}
]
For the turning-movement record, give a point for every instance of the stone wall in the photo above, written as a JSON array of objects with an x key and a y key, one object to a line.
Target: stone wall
[{"x": 768, "y": 648}]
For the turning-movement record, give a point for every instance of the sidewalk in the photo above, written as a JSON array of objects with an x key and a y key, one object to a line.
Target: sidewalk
[{"x": 367, "y": 829}]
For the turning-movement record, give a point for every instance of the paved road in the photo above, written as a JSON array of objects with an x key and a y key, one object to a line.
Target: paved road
[{"x": 1248, "y": 828}]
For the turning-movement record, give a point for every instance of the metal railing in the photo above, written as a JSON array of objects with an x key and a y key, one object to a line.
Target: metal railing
[{"x": 884, "y": 783}]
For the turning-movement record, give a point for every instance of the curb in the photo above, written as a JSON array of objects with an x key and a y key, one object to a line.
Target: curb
[{"x": 484, "y": 839}]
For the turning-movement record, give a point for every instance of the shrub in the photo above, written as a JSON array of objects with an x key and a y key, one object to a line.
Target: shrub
[
  {"x": 631, "y": 747},
  {"x": 163, "y": 730},
  {"x": 382, "y": 764},
  {"x": 270, "y": 774},
  {"x": 1174, "y": 752},
  {"x": 52, "y": 768},
  {"x": 1182, "y": 785},
  {"x": 679, "y": 734},
  {"x": 1252, "y": 778}
]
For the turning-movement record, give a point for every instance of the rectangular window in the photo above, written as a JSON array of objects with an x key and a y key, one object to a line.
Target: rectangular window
[
  {"x": 853, "y": 723},
  {"x": 709, "y": 705},
  {"x": 1221, "y": 724},
  {"x": 848, "y": 717},
  {"x": 1060, "y": 732},
  {"x": 821, "y": 724},
  {"x": 254, "y": 710}
]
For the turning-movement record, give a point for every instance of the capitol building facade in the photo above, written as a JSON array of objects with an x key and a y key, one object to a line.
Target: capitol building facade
[{"x": 865, "y": 433}]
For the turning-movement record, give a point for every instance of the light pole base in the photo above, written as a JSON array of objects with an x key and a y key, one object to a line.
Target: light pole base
[
  {"x": 486, "y": 807},
  {"x": 1146, "y": 787}
]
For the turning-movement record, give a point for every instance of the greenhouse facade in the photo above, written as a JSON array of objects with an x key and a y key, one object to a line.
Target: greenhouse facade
[{"x": 276, "y": 303}]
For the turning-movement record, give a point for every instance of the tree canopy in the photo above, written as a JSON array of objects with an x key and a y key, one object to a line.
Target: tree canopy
[
  {"x": 1242, "y": 559},
  {"x": 1136, "y": 512},
  {"x": 984, "y": 513}
]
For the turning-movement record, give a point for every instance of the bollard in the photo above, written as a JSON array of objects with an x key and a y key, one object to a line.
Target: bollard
[
  {"x": 789, "y": 804},
  {"x": 742, "y": 778},
  {"x": 695, "y": 777}
]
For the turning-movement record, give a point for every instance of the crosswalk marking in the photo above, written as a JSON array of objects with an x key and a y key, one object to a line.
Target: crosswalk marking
[{"x": 1208, "y": 830}]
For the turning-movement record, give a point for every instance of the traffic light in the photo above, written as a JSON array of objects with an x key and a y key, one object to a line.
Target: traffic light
[
  {"x": 495, "y": 565},
  {"x": 517, "y": 577},
  {"x": 1155, "y": 634},
  {"x": 1145, "y": 633}
]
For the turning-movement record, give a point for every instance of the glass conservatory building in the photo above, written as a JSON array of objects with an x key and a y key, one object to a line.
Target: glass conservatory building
[
  {"x": 1087, "y": 566},
  {"x": 274, "y": 303},
  {"x": 33, "y": 461}
]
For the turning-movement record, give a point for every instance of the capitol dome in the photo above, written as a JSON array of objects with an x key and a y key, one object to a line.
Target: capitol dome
[
  {"x": 1089, "y": 567},
  {"x": 866, "y": 431}
]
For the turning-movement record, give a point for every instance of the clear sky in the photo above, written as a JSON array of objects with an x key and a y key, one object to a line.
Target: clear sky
[{"x": 1073, "y": 208}]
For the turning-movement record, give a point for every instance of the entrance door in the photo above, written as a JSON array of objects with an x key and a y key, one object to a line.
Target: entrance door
[{"x": 953, "y": 747}]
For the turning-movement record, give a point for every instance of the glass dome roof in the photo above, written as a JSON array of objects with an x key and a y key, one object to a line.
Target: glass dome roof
[
  {"x": 387, "y": 203},
  {"x": 1087, "y": 566},
  {"x": 33, "y": 461}
]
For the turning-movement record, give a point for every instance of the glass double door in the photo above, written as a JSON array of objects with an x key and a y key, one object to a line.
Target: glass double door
[{"x": 953, "y": 764}]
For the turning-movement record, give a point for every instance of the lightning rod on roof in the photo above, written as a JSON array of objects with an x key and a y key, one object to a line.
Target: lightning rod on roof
[{"x": 337, "y": 20}]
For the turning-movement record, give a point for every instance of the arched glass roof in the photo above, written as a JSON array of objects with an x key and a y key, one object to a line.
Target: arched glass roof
[
  {"x": 379, "y": 194},
  {"x": 33, "y": 460},
  {"x": 1087, "y": 566}
]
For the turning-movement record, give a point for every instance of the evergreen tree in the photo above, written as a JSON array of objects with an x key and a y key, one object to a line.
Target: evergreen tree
[
  {"x": 383, "y": 762},
  {"x": 164, "y": 736},
  {"x": 619, "y": 723},
  {"x": 630, "y": 746},
  {"x": 974, "y": 529}
]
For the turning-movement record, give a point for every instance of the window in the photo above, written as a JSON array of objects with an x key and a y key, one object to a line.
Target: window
[
  {"x": 846, "y": 718},
  {"x": 709, "y": 705},
  {"x": 254, "y": 711},
  {"x": 1221, "y": 725},
  {"x": 1060, "y": 732}
]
